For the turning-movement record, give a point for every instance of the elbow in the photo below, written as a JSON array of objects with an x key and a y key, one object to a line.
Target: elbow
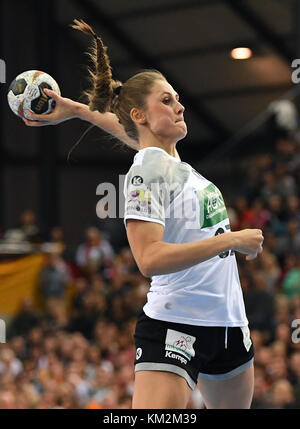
[
  {"x": 146, "y": 267},
  {"x": 149, "y": 262}
]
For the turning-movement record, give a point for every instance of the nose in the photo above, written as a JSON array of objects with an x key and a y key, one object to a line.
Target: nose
[{"x": 179, "y": 108}]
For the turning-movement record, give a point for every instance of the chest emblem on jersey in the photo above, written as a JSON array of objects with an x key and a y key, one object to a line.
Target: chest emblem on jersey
[
  {"x": 181, "y": 343},
  {"x": 212, "y": 206}
]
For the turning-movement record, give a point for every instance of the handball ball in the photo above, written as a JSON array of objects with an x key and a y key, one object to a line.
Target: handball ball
[{"x": 26, "y": 92}]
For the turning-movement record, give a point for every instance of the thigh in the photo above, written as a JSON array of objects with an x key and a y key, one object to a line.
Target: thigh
[
  {"x": 160, "y": 390},
  {"x": 233, "y": 393}
]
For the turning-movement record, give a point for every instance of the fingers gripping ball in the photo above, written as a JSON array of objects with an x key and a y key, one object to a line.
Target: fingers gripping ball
[{"x": 26, "y": 92}]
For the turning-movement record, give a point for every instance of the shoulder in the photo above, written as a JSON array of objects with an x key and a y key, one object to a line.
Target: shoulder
[{"x": 155, "y": 166}]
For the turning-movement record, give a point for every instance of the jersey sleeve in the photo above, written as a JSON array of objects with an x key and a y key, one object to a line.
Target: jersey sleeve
[
  {"x": 145, "y": 192},
  {"x": 151, "y": 186}
]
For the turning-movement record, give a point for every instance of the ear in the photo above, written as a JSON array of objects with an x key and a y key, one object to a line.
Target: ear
[{"x": 138, "y": 116}]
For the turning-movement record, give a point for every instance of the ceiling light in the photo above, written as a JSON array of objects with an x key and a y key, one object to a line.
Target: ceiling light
[{"x": 241, "y": 53}]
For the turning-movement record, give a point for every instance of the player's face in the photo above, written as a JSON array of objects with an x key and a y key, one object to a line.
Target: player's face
[{"x": 164, "y": 112}]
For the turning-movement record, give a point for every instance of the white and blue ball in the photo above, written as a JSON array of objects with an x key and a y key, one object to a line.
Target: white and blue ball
[{"x": 26, "y": 92}]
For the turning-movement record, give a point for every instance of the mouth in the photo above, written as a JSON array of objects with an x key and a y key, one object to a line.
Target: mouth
[{"x": 179, "y": 120}]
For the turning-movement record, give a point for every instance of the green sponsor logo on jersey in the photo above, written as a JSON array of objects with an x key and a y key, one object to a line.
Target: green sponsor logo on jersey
[{"x": 212, "y": 206}]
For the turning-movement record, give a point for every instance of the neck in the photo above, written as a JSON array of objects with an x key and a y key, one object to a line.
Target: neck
[{"x": 169, "y": 147}]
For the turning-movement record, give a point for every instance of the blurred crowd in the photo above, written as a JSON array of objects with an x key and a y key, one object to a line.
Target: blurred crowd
[
  {"x": 269, "y": 200},
  {"x": 76, "y": 350}
]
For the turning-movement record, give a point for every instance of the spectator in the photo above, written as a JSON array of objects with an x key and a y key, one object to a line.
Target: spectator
[
  {"x": 83, "y": 319},
  {"x": 57, "y": 237},
  {"x": 54, "y": 278},
  {"x": 101, "y": 385},
  {"x": 295, "y": 374},
  {"x": 7, "y": 400},
  {"x": 9, "y": 364},
  {"x": 260, "y": 215},
  {"x": 283, "y": 336},
  {"x": 260, "y": 306},
  {"x": 271, "y": 270},
  {"x": 282, "y": 395},
  {"x": 290, "y": 242},
  {"x": 80, "y": 289},
  {"x": 285, "y": 149},
  {"x": 291, "y": 281},
  {"x": 253, "y": 183},
  {"x": 98, "y": 284},
  {"x": 94, "y": 253},
  {"x": 118, "y": 313},
  {"x": 18, "y": 346},
  {"x": 27, "y": 224},
  {"x": 244, "y": 214},
  {"x": 289, "y": 262},
  {"x": 295, "y": 306},
  {"x": 269, "y": 186},
  {"x": 55, "y": 315},
  {"x": 282, "y": 310},
  {"x": 285, "y": 183},
  {"x": 277, "y": 369},
  {"x": 257, "y": 339},
  {"x": 277, "y": 220},
  {"x": 261, "y": 392},
  {"x": 271, "y": 243},
  {"x": 26, "y": 319},
  {"x": 264, "y": 358},
  {"x": 293, "y": 208}
]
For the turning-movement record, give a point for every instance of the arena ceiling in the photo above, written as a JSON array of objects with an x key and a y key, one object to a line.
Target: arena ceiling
[{"x": 190, "y": 41}]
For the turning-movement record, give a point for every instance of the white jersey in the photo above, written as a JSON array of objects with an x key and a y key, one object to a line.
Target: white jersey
[{"x": 160, "y": 188}]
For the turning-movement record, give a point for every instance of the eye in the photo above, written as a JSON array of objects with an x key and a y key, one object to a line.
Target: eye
[{"x": 166, "y": 100}]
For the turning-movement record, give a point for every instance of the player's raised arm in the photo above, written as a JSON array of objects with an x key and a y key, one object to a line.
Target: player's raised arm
[
  {"x": 66, "y": 109},
  {"x": 106, "y": 121}
]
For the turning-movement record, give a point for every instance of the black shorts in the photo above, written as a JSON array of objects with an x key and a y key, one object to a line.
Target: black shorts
[{"x": 191, "y": 351}]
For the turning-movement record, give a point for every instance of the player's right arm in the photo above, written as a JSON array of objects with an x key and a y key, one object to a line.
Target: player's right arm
[
  {"x": 155, "y": 257},
  {"x": 66, "y": 109}
]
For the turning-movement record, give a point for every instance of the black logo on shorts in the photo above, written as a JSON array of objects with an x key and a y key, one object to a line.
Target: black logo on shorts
[{"x": 137, "y": 180}]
